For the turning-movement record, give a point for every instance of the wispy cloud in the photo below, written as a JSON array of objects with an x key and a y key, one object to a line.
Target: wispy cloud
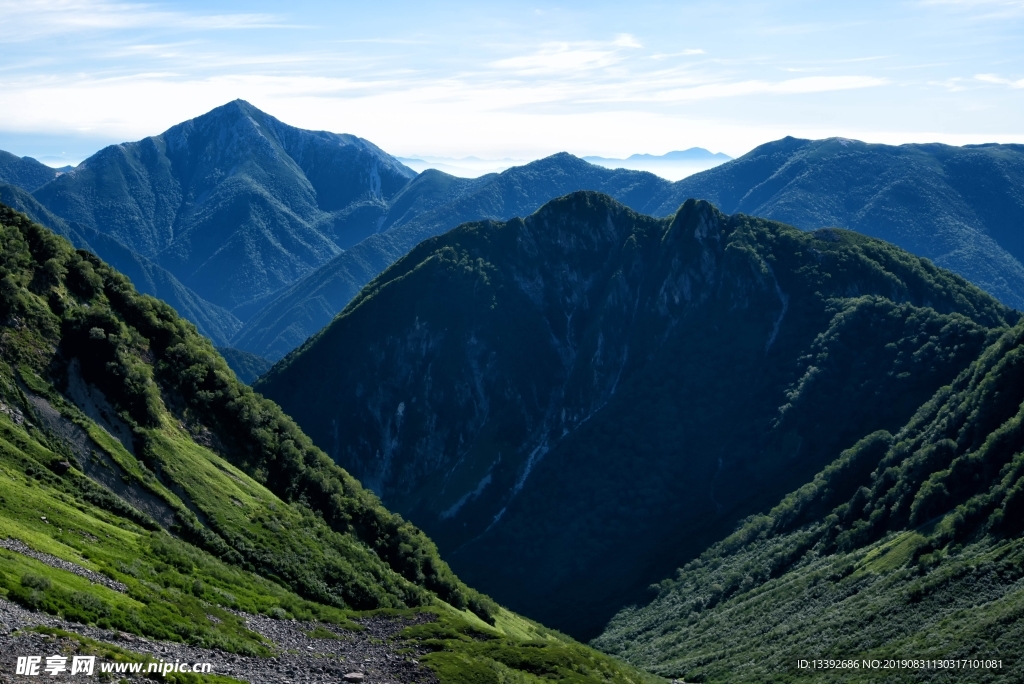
[
  {"x": 793, "y": 86},
  {"x": 22, "y": 20},
  {"x": 568, "y": 58},
  {"x": 999, "y": 80},
  {"x": 690, "y": 52}
]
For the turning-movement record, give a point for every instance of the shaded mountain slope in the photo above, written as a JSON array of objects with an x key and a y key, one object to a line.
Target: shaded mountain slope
[
  {"x": 154, "y": 494},
  {"x": 433, "y": 203},
  {"x": 234, "y": 203},
  {"x": 217, "y": 323},
  {"x": 575, "y": 403},
  {"x": 962, "y": 207},
  {"x": 25, "y": 172},
  {"x": 246, "y": 366},
  {"x": 908, "y": 545}
]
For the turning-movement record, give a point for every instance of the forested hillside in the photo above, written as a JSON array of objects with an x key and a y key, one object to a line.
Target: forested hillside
[
  {"x": 152, "y": 493},
  {"x": 575, "y": 403},
  {"x": 907, "y": 546}
]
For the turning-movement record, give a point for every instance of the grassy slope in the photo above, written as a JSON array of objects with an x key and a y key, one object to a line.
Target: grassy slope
[
  {"x": 908, "y": 546},
  {"x": 261, "y": 544}
]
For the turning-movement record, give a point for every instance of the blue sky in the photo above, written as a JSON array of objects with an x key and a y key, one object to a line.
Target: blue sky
[{"x": 517, "y": 79}]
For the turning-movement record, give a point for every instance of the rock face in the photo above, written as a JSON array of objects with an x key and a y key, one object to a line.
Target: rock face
[
  {"x": 575, "y": 403},
  {"x": 234, "y": 203}
]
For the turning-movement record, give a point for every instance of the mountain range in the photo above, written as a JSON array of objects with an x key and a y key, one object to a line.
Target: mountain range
[
  {"x": 25, "y": 172},
  {"x": 260, "y": 233},
  {"x": 961, "y": 207},
  {"x": 920, "y": 197},
  {"x": 713, "y": 443},
  {"x": 154, "y": 507},
  {"x": 497, "y": 382}
]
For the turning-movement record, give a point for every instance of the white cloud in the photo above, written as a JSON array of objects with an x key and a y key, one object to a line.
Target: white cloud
[
  {"x": 999, "y": 80},
  {"x": 626, "y": 40},
  {"x": 22, "y": 20},
  {"x": 561, "y": 58}
]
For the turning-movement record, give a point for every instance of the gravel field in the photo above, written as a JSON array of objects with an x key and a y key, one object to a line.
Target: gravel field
[{"x": 371, "y": 653}]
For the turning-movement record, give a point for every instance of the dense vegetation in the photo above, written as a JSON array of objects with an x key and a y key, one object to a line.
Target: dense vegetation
[
  {"x": 24, "y": 172},
  {"x": 496, "y": 384},
  {"x": 153, "y": 365},
  {"x": 959, "y": 206},
  {"x": 213, "y": 321},
  {"x": 132, "y": 450},
  {"x": 908, "y": 546}
]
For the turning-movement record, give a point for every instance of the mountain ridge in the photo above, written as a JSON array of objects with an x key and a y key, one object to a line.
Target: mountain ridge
[
  {"x": 234, "y": 181},
  {"x": 910, "y": 541},
  {"x": 161, "y": 509},
  {"x": 498, "y": 397}
]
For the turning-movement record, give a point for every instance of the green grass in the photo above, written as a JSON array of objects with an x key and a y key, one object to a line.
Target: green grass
[{"x": 263, "y": 522}]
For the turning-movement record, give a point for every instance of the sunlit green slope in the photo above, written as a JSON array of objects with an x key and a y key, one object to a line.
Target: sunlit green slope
[{"x": 128, "y": 448}]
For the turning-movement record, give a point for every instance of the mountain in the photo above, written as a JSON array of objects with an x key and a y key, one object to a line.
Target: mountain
[
  {"x": 955, "y": 205},
  {"x": 962, "y": 207},
  {"x": 156, "y": 507},
  {"x": 213, "y": 321},
  {"x": 234, "y": 203},
  {"x": 25, "y": 172},
  {"x": 576, "y": 403},
  {"x": 908, "y": 545},
  {"x": 693, "y": 154},
  {"x": 247, "y": 367},
  {"x": 431, "y": 204}
]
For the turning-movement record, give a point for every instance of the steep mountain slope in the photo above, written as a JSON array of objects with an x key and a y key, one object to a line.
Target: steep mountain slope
[
  {"x": 433, "y": 203},
  {"x": 213, "y": 321},
  {"x": 576, "y": 403},
  {"x": 153, "y": 494},
  {"x": 24, "y": 172},
  {"x": 234, "y": 203},
  {"x": 959, "y": 206},
  {"x": 907, "y": 546},
  {"x": 962, "y": 207},
  {"x": 246, "y": 366}
]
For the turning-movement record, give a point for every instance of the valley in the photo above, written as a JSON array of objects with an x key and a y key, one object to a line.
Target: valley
[{"x": 271, "y": 399}]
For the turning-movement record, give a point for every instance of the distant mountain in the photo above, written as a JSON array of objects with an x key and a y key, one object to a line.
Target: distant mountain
[
  {"x": 909, "y": 542},
  {"x": 25, "y": 172},
  {"x": 234, "y": 203},
  {"x": 246, "y": 366},
  {"x": 575, "y": 403},
  {"x": 431, "y": 204},
  {"x": 962, "y": 207},
  {"x": 693, "y": 154},
  {"x": 957, "y": 206},
  {"x": 213, "y": 321}
]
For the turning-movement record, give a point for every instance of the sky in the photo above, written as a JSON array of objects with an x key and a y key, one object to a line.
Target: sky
[{"x": 516, "y": 80}]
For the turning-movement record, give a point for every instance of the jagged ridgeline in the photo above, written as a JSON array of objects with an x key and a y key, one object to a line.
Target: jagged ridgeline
[
  {"x": 576, "y": 403},
  {"x": 129, "y": 448},
  {"x": 907, "y": 546}
]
